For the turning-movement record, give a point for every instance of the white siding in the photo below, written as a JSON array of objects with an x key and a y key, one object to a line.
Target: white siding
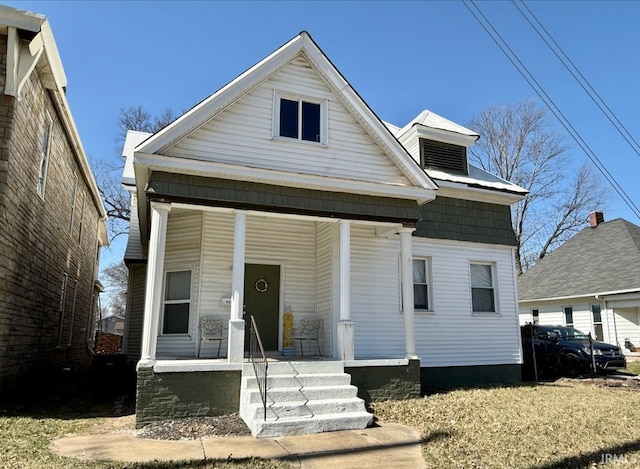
[
  {"x": 291, "y": 244},
  {"x": 324, "y": 284},
  {"x": 450, "y": 335},
  {"x": 182, "y": 252},
  {"x": 628, "y": 325},
  {"x": 243, "y": 134},
  {"x": 375, "y": 307}
]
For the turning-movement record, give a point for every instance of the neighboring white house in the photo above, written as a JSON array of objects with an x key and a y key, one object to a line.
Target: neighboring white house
[
  {"x": 591, "y": 282},
  {"x": 284, "y": 192}
]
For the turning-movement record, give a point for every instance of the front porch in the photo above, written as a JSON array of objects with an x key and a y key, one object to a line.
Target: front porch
[{"x": 229, "y": 264}]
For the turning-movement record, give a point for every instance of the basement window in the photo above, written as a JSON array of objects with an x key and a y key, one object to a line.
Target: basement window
[{"x": 298, "y": 118}]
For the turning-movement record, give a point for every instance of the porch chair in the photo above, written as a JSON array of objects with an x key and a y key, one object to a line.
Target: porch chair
[
  {"x": 210, "y": 330},
  {"x": 309, "y": 330}
]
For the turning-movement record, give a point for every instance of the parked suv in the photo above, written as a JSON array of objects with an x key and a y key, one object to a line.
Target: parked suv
[{"x": 561, "y": 350}]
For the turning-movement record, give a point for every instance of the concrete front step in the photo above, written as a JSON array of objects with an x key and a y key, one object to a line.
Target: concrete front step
[
  {"x": 291, "y": 409},
  {"x": 300, "y": 381},
  {"x": 315, "y": 424},
  {"x": 311, "y": 393},
  {"x": 302, "y": 398}
]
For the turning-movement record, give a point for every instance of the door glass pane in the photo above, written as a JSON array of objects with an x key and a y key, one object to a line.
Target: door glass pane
[
  {"x": 176, "y": 318},
  {"x": 419, "y": 272},
  {"x": 599, "y": 332},
  {"x": 481, "y": 276},
  {"x": 568, "y": 316},
  {"x": 178, "y": 285},
  {"x": 288, "y": 118},
  {"x": 311, "y": 122}
]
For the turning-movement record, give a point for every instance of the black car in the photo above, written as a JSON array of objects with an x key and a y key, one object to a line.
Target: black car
[{"x": 561, "y": 350}]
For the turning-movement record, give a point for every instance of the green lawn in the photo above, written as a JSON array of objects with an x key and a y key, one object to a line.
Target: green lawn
[{"x": 556, "y": 425}]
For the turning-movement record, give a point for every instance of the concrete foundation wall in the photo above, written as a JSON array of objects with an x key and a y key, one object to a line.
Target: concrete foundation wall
[
  {"x": 381, "y": 383},
  {"x": 165, "y": 396},
  {"x": 440, "y": 379}
]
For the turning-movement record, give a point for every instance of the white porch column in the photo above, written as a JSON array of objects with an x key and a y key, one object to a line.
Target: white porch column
[
  {"x": 345, "y": 333},
  {"x": 153, "y": 293},
  {"x": 235, "y": 344},
  {"x": 406, "y": 261}
]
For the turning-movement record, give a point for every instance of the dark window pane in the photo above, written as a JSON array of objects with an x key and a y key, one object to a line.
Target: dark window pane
[
  {"x": 568, "y": 316},
  {"x": 420, "y": 297},
  {"x": 482, "y": 300},
  {"x": 288, "y": 118},
  {"x": 599, "y": 332},
  {"x": 176, "y": 318},
  {"x": 597, "y": 316},
  {"x": 310, "y": 122}
]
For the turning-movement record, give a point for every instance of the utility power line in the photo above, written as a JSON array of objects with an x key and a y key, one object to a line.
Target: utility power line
[
  {"x": 577, "y": 75},
  {"x": 502, "y": 44}
]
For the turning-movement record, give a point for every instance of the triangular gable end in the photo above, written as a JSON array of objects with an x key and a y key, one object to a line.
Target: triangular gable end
[{"x": 301, "y": 45}]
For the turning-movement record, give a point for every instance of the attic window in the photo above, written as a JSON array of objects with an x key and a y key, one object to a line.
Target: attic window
[
  {"x": 302, "y": 119},
  {"x": 443, "y": 156}
]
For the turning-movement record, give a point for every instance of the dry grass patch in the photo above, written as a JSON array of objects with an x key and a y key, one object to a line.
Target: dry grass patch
[{"x": 543, "y": 426}]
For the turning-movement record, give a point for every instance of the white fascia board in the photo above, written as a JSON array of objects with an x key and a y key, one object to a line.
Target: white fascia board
[
  {"x": 440, "y": 135},
  {"x": 462, "y": 191},
  {"x": 274, "y": 177},
  {"x": 201, "y": 113},
  {"x": 394, "y": 148},
  {"x": 131, "y": 141},
  {"x": 21, "y": 19}
]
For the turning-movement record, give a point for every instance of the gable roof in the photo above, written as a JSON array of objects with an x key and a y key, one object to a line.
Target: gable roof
[
  {"x": 597, "y": 260},
  {"x": 243, "y": 84},
  {"x": 430, "y": 119}
]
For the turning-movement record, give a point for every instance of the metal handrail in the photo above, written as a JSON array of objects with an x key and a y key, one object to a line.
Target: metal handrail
[{"x": 259, "y": 361}]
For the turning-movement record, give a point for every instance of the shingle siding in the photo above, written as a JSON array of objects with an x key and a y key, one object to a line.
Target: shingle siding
[
  {"x": 466, "y": 220},
  {"x": 35, "y": 245},
  {"x": 247, "y": 195}
]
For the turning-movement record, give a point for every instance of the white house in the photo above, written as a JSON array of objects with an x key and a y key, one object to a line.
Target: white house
[
  {"x": 284, "y": 192},
  {"x": 591, "y": 282}
]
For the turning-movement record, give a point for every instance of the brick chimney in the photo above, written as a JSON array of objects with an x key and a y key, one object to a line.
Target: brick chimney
[{"x": 595, "y": 218}]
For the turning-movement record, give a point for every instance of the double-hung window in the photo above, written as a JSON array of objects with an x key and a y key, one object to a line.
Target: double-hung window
[
  {"x": 177, "y": 302},
  {"x": 483, "y": 298},
  {"x": 422, "y": 298},
  {"x": 568, "y": 316},
  {"x": 596, "y": 312},
  {"x": 44, "y": 156},
  {"x": 302, "y": 119}
]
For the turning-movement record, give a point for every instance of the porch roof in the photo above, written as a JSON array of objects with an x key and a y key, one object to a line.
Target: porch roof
[{"x": 247, "y": 195}]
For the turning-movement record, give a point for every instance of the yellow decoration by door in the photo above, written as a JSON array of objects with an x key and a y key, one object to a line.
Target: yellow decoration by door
[{"x": 287, "y": 320}]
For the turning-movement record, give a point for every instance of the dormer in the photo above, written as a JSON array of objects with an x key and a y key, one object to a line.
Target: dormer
[{"x": 437, "y": 143}]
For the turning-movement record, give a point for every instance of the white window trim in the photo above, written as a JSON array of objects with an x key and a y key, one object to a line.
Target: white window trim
[
  {"x": 43, "y": 167},
  {"x": 166, "y": 302},
  {"x": 494, "y": 284},
  {"x": 81, "y": 226},
  {"x": 564, "y": 316},
  {"x": 62, "y": 306},
  {"x": 324, "y": 121},
  {"x": 74, "y": 197},
  {"x": 428, "y": 265}
]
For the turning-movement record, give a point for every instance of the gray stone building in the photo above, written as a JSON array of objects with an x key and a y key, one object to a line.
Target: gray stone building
[{"x": 51, "y": 216}]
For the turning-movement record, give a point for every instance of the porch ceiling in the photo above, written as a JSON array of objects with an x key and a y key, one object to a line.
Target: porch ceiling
[{"x": 270, "y": 198}]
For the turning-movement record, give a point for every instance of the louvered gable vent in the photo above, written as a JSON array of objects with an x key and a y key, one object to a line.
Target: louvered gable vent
[{"x": 443, "y": 156}]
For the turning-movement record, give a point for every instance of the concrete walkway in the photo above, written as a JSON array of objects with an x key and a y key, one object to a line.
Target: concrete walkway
[{"x": 390, "y": 445}]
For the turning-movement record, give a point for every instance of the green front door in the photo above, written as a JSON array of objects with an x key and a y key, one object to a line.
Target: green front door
[{"x": 262, "y": 301}]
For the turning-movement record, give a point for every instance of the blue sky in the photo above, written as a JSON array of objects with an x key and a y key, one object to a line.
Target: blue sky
[{"x": 402, "y": 57}]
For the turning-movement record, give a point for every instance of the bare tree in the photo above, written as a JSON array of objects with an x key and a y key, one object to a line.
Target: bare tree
[
  {"x": 517, "y": 144},
  {"x": 115, "y": 198},
  {"x": 117, "y": 278}
]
